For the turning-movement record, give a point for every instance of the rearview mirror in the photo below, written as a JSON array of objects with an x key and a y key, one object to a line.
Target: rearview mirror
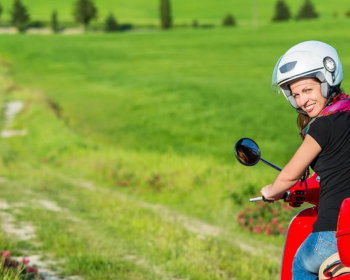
[{"x": 247, "y": 152}]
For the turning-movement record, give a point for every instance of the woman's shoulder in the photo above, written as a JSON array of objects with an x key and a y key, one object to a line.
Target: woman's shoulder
[
  {"x": 327, "y": 129},
  {"x": 337, "y": 119}
]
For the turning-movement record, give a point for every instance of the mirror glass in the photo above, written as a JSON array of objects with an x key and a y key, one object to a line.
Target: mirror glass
[{"x": 247, "y": 151}]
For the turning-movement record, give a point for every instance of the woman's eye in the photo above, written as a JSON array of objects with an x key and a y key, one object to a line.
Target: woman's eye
[
  {"x": 308, "y": 90},
  {"x": 295, "y": 95}
]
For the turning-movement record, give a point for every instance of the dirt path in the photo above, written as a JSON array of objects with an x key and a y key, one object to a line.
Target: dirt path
[
  {"x": 191, "y": 224},
  {"x": 12, "y": 108}
]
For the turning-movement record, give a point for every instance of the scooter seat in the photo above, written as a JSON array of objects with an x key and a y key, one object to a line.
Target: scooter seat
[{"x": 332, "y": 267}]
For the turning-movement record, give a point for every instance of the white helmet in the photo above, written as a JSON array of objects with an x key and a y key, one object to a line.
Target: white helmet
[{"x": 312, "y": 59}]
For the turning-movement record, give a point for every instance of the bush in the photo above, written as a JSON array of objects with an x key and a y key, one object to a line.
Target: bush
[
  {"x": 195, "y": 24},
  {"x": 229, "y": 20},
  {"x": 307, "y": 11},
  {"x": 282, "y": 11},
  {"x": 165, "y": 14},
  {"x": 207, "y": 25},
  {"x": 265, "y": 219},
  {"x": 36, "y": 24},
  {"x": 20, "y": 16},
  {"x": 125, "y": 27},
  {"x": 111, "y": 24}
]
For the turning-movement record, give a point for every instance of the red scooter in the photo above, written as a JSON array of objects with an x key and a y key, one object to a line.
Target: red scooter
[{"x": 336, "y": 266}]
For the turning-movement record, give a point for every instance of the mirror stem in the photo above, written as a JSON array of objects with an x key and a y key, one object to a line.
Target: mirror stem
[{"x": 271, "y": 164}]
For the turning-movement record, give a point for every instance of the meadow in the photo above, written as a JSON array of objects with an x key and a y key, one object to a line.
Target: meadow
[{"x": 127, "y": 168}]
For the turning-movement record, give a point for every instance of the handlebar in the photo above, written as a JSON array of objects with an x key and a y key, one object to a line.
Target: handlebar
[
  {"x": 300, "y": 193},
  {"x": 285, "y": 197}
]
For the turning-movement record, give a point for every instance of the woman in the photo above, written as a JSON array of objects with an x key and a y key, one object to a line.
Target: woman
[{"x": 309, "y": 75}]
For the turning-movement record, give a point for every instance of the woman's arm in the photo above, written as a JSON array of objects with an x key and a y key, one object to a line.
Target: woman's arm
[{"x": 295, "y": 168}]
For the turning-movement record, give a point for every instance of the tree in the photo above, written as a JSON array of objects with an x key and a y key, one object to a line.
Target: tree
[
  {"x": 282, "y": 11},
  {"x": 165, "y": 14},
  {"x": 84, "y": 11},
  {"x": 229, "y": 20},
  {"x": 195, "y": 23},
  {"x": 347, "y": 13},
  {"x": 0, "y": 10},
  {"x": 54, "y": 22},
  {"x": 307, "y": 11},
  {"x": 111, "y": 24},
  {"x": 20, "y": 16}
]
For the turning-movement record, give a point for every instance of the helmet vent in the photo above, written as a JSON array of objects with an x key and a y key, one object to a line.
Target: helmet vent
[{"x": 288, "y": 67}]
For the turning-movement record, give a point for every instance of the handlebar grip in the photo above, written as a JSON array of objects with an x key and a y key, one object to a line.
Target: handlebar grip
[
  {"x": 286, "y": 196},
  {"x": 260, "y": 198}
]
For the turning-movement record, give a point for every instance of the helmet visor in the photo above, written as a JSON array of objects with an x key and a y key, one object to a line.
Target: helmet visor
[{"x": 274, "y": 85}]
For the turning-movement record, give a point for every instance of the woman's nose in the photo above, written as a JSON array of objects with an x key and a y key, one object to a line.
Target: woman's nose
[{"x": 303, "y": 99}]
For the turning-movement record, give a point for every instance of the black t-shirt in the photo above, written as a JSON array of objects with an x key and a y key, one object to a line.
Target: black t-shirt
[{"x": 332, "y": 164}]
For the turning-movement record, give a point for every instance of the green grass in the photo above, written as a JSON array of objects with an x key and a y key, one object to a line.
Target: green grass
[
  {"x": 113, "y": 236},
  {"x": 146, "y": 12},
  {"x": 141, "y": 231},
  {"x": 150, "y": 119},
  {"x": 189, "y": 92}
]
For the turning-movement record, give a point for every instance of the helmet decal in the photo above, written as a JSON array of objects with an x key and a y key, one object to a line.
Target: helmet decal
[{"x": 288, "y": 67}]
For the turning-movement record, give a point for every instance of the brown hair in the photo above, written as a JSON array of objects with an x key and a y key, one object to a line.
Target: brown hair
[{"x": 302, "y": 121}]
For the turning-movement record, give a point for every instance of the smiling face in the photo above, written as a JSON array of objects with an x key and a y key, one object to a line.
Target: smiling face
[{"x": 307, "y": 94}]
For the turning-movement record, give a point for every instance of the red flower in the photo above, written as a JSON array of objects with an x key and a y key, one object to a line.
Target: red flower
[
  {"x": 6, "y": 254},
  {"x": 257, "y": 229},
  {"x": 31, "y": 269},
  {"x": 25, "y": 260}
]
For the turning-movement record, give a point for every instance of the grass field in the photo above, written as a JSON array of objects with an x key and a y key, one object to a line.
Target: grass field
[
  {"x": 127, "y": 170},
  {"x": 208, "y": 11}
]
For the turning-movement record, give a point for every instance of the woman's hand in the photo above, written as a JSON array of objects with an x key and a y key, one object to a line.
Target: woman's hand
[{"x": 269, "y": 193}]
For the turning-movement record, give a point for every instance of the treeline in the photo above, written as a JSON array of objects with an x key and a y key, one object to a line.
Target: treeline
[
  {"x": 306, "y": 11},
  {"x": 84, "y": 11}
]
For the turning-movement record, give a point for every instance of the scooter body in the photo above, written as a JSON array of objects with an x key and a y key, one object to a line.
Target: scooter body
[
  {"x": 301, "y": 225},
  {"x": 299, "y": 229}
]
